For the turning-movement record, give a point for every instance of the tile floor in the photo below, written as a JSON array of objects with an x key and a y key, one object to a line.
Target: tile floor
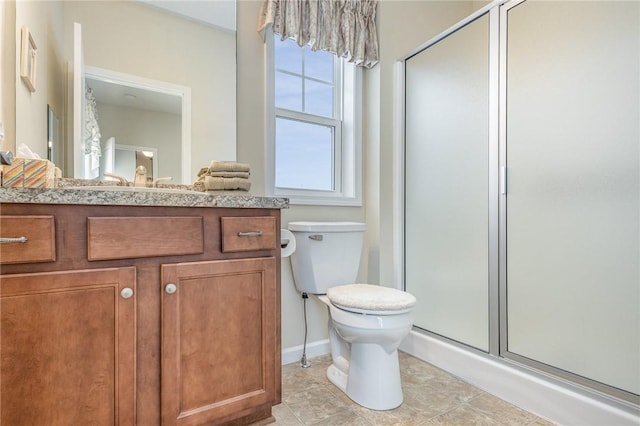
[{"x": 431, "y": 397}]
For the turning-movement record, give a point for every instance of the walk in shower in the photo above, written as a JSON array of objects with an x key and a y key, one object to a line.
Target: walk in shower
[{"x": 522, "y": 188}]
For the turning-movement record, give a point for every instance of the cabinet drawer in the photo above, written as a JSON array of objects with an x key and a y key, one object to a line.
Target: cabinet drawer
[
  {"x": 248, "y": 233},
  {"x": 131, "y": 237},
  {"x": 39, "y": 246}
]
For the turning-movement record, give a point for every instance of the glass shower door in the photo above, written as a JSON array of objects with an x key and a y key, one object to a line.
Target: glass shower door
[
  {"x": 446, "y": 186},
  {"x": 573, "y": 201}
]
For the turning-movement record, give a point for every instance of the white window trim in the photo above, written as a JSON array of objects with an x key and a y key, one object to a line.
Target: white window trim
[{"x": 348, "y": 179}]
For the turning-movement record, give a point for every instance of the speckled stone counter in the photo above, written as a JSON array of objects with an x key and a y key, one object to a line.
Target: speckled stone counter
[{"x": 128, "y": 197}]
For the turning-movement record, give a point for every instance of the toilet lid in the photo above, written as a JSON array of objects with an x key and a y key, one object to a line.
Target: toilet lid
[{"x": 374, "y": 299}]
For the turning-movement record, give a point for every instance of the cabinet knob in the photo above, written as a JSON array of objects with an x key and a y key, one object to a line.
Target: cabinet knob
[
  {"x": 126, "y": 293},
  {"x": 171, "y": 288}
]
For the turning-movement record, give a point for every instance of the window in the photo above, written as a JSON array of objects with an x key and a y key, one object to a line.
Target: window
[{"x": 314, "y": 129}]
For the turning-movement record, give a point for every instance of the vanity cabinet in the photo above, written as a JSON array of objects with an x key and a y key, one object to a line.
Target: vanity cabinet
[
  {"x": 68, "y": 348},
  {"x": 140, "y": 315},
  {"x": 214, "y": 318}
]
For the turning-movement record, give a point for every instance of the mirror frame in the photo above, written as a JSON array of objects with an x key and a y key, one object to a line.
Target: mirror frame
[{"x": 183, "y": 92}]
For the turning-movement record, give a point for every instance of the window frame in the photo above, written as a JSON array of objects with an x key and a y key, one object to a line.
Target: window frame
[{"x": 347, "y": 155}]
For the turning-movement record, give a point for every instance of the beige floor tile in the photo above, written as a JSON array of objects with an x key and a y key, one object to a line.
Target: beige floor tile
[
  {"x": 284, "y": 416},
  {"x": 401, "y": 416},
  {"x": 464, "y": 415},
  {"x": 501, "y": 411},
  {"x": 315, "y": 404},
  {"x": 344, "y": 418},
  {"x": 540, "y": 422},
  {"x": 431, "y": 397},
  {"x": 438, "y": 396}
]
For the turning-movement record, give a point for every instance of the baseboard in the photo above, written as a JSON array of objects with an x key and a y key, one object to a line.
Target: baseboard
[
  {"x": 553, "y": 400},
  {"x": 294, "y": 354}
]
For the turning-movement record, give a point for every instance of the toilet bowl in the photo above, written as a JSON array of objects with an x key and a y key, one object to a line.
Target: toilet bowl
[{"x": 367, "y": 322}]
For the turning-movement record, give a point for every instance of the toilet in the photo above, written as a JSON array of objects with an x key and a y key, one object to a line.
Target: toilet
[{"x": 366, "y": 322}]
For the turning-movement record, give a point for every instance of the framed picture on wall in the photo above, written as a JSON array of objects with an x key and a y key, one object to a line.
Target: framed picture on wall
[{"x": 28, "y": 58}]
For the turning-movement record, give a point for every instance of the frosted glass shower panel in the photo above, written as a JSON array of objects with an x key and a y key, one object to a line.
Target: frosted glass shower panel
[
  {"x": 573, "y": 237},
  {"x": 446, "y": 188}
]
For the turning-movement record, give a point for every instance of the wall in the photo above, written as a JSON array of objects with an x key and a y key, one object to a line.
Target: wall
[
  {"x": 421, "y": 20},
  {"x": 7, "y": 73},
  {"x": 44, "y": 21}
]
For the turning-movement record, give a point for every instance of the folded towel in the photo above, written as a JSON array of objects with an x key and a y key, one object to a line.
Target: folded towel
[
  {"x": 206, "y": 171},
  {"x": 243, "y": 175},
  {"x": 226, "y": 184},
  {"x": 228, "y": 166}
]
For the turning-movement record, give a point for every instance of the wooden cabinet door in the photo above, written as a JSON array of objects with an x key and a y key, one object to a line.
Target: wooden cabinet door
[
  {"x": 218, "y": 340},
  {"x": 67, "y": 350}
]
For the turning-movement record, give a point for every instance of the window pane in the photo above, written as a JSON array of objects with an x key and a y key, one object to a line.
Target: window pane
[
  {"x": 318, "y": 64},
  {"x": 304, "y": 155},
  {"x": 318, "y": 98},
  {"x": 288, "y": 91},
  {"x": 288, "y": 55}
]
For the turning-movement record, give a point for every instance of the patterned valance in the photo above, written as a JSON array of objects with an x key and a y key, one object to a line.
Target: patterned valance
[{"x": 346, "y": 28}]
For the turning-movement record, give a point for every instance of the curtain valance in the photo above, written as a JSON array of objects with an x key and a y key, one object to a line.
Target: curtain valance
[{"x": 346, "y": 28}]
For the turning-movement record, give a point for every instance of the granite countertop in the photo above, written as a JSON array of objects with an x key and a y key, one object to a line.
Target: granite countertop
[{"x": 166, "y": 196}]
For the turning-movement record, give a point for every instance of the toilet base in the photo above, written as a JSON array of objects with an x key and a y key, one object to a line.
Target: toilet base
[
  {"x": 373, "y": 378},
  {"x": 337, "y": 377}
]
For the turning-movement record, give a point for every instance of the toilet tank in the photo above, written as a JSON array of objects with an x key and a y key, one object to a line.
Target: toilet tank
[{"x": 327, "y": 254}]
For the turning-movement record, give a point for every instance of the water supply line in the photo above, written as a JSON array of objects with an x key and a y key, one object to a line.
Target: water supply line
[{"x": 303, "y": 362}]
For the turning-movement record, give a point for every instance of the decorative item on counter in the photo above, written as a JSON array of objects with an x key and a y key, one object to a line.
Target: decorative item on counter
[
  {"x": 27, "y": 170},
  {"x": 224, "y": 176},
  {"x": 28, "y": 173},
  {"x": 13, "y": 174},
  {"x": 39, "y": 174}
]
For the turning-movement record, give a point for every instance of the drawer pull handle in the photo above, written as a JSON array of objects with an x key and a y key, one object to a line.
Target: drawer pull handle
[
  {"x": 250, "y": 234},
  {"x": 126, "y": 293},
  {"x": 13, "y": 240},
  {"x": 171, "y": 288}
]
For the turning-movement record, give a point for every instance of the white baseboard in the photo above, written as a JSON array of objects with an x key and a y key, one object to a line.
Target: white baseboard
[
  {"x": 552, "y": 400},
  {"x": 294, "y": 354}
]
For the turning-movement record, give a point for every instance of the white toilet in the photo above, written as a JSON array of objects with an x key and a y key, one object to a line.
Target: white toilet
[{"x": 366, "y": 322}]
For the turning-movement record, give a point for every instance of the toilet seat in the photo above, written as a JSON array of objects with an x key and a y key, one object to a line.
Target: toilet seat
[{"x": 370, "y": 299}]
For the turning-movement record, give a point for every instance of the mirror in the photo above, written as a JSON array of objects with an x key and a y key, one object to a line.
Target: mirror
[
  {"x": 160, "y": 41},
  {"x": 132, "y": 111}
]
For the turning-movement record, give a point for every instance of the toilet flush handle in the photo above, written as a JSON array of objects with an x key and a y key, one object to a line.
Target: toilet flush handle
[{"x": 316, "y": 237}]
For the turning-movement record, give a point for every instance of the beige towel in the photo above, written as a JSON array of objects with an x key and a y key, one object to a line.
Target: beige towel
[
  {"x": 199, "y": 185},
  {"x": 226, "y": 184},
  {"x": 228, "y": 166},
  {"x": 243, "y": 175}
]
